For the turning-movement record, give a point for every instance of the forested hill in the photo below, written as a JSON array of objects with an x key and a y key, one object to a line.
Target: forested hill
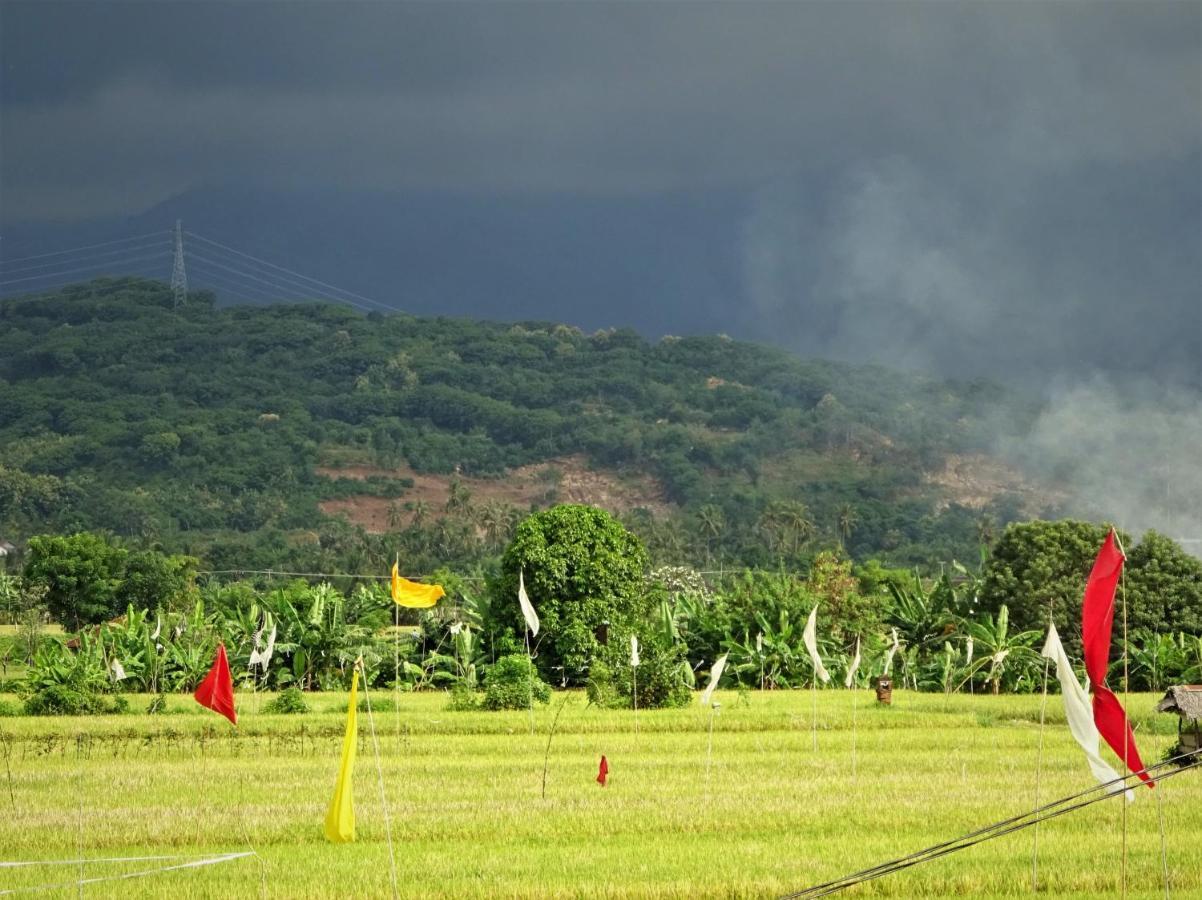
[{"x": 317, "y": 436}]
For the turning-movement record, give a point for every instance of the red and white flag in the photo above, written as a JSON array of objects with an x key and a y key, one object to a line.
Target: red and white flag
[
  {"x": 1097, "y": 621},
  {"x": 217, "y": 690}
]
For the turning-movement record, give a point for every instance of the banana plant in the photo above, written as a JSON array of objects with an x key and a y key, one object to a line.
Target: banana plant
[{"x": 1008, "y": 656}]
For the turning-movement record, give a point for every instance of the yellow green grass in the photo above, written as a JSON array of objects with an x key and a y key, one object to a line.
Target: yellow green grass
[{"x": 767, "y": 816}]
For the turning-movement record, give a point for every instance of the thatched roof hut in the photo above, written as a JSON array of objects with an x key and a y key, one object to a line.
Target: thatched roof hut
[
  {"x": 1186, "y": 701},
  {"x": 1183, "y": 699}
]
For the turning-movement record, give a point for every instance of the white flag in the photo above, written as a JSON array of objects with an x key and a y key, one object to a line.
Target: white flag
[
  {"x": 256, "y": 655},
  {"x": 715, "y": 677},
  {"x": 118, "y": 671},
  {"x": 810, "y": 637},
  {"x": 527, "y": 608},
  {"x": 158, "y": 627},
  {"x": 634, "y": 651},
  {"x": 889, "y": 655},
  {"x": 853, "y": 668},
  {"x": 1079, "y": 713},
  {"x": 759, "y": 643},
  {"x": 968, "y": 661},
  {"x": 265, "y": 656}
]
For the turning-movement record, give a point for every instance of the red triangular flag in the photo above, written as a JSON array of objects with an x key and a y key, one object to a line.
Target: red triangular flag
[
  {"x": 602, "y": 772},
  {"x": 217, "y": 690},
  {"x": 1097, "y": 621}
]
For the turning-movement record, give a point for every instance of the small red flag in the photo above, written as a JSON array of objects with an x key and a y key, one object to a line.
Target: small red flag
[
  {"x": 217, "y": 690},
  {"x": 602, "y": 772},
  {"x": 1097, "y": 623}
]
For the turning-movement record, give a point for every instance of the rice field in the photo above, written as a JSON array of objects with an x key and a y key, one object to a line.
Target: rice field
[{"x": 759, "y": 813}]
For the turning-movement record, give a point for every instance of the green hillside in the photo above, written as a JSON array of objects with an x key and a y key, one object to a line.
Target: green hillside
[{"x": 257, "y": 437}]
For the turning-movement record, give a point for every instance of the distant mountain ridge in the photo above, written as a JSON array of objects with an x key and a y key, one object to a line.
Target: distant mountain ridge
[{"x": 228, "y": 432}]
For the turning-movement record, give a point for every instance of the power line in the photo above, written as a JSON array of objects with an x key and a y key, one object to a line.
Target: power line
[
  {"x": 91, "y": 268},
  {"x": 297, "y": 287},
  {"x": 272, "y": 284},
  {"x": 229, "y": 286},
  {"x": 278, "y": 573},
  {"x": 324, "y": 284},
  {"x": 86, "y": 247},
  {"x": 156, "y": 275},
  {"x": 275, "y": 282},
  {"x": 7, "y": 270}
]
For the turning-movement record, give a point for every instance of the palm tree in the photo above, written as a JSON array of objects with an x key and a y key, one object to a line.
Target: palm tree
[
  {"x": 395, "y": 515},
  {"x": 458, "y": 497},
  {"x": 846, "y": 523},
  {"x": 712, "y": 524},
  {"x": 421, "y": 512},
  {"x": 787, "y": 523}
]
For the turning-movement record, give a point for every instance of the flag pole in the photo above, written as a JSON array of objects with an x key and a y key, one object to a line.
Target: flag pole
[
  {"x": 853, "y": 731},
  {"x": 1126, "y": 699},
  {"x": 634, "y": 693},
  {"x": 530, "y": 680},
  {"x": 814, "y": 710},
  {"x": 380, "y": 777},
  {"x": 1043, "y": 705},
  {"x": 396, "y": 662},
  {"x": 709, "y": 754}
]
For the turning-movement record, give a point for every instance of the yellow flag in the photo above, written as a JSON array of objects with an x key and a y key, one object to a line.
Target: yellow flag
[
  {"x": 410, "y": 593},
  {"x": 340, "y": 819}
]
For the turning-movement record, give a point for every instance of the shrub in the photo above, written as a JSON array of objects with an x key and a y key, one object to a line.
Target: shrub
[
  {"x": 600, "y": 686},
  {"x": 379, "y": 703},
  {"x": 290, "y": 701},
  {"x": 511, "y": 682},
  {"x": 7, "y": 709},
  {"x": 61, "y": 700},
  {"x": 660, "y": 678},
  {"x": 463, "y": 699}
]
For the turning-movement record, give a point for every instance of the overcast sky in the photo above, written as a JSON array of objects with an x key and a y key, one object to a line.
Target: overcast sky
[
  {"x": 1010, "y": 189},
  {"x": 935, "y": 185}
]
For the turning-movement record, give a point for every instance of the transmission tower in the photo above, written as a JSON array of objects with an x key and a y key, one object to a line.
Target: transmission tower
[{"x": 179, "y": 278}]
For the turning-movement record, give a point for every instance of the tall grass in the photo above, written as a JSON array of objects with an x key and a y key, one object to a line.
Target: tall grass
[{"x": 464, "y": 792}]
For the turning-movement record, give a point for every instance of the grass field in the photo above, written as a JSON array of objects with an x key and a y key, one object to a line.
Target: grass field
[{"x": 769, "y": 815}]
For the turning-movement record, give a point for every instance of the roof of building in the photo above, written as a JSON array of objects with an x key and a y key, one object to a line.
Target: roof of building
[{"x": 1184, "y": 699}]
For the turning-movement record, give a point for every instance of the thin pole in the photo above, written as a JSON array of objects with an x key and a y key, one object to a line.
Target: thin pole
[
  {"x": 530, "y": 680},
  {"x": 1043, "y": 705},
  {"x": 634, "y": 674},
  {"x": 709, "y": 755},
  {"x": 79, "y": 814},
  {"x": 814, "y": 711},
  {"x": 551, "y": 734},
  {"x": 853, "y": 732},
  {"x": 1164, "y": 850},
  {"x": 1126, "y": 705},
  {"x": 380, "y": 776},
  {"x": 396, "y": 663}
]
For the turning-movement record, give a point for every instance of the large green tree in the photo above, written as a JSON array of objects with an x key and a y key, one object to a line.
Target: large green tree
[
  {"x": 82, "y": 573},
  {"x": 89, "y": 579},
  {"x": 1164, "y": 587},
  {"x": 583, "y": 570},
  {"x": 1040, "y": 564}
]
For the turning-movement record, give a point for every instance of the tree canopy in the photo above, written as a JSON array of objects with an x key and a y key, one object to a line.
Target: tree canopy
[{"x": 584, "y": 574}]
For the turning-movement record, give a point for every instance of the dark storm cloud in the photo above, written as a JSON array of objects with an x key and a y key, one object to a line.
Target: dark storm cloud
[
  {"x": 574, "y": 97},
  {"x": 1008, "y": 189}
]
